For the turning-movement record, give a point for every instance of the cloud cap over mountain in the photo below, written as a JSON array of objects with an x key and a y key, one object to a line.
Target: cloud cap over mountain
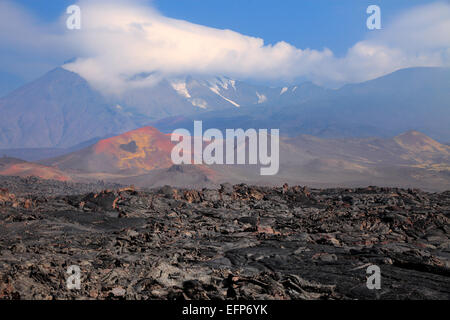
[{"x": 121, "y": 39}]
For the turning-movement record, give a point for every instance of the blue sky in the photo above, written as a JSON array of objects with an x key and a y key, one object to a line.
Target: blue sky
[{"x": 343, "y": 50}]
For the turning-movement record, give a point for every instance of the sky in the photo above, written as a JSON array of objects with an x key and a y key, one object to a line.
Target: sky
[
  {"x": 325, "y": 41},
  {"x": 303, "y": 23}
]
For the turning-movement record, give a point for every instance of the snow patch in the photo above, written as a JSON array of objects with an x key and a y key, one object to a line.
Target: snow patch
[
  {"x": 233, "y": 84},
  {"x": 261, "y": 97},
  {"x": 215, "y": 89},
  {"x": 180, "y": 87},
  {"x": 200, "y": 103},
  {"x": 222, "y": 82}
]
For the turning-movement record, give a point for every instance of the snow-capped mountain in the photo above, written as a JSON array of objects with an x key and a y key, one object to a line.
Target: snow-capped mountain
[
  {"x": 408, "y": 99},
  {"x": 61, "y": 109},
  {"x": 189, "y": 94},
  {"x": 222, "y": 92}
]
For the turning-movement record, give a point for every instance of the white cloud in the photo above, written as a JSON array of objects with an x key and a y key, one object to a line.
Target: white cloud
[
  {"x": 121, "y": 39},
  {"x": 418, "y": 37}
]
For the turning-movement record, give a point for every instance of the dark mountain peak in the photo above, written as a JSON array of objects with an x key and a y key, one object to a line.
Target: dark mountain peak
[
  {"x": 58, "y": 74},
  {"x": 58, "y": 78},
  {"x": 59, "y": 109}
]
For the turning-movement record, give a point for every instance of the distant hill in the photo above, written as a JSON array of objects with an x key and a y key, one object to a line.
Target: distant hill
[
  {"x": 18, "y": 167},
  {"x": 142, "y": 157}
]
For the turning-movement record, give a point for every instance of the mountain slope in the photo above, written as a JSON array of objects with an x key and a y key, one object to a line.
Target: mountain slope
[
  {"x": 413, "y": 149},
  {"x": 409, "y": 99},
  {"x": 17, "y": 167},
  {"x": 58, "y": 110}
]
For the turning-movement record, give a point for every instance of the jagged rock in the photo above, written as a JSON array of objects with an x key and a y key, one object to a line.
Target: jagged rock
[
  {"x": 238, "y": 242},
  {"x": 226, "y": 188}
]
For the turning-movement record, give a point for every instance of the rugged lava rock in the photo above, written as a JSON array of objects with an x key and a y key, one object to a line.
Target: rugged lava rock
[{"x": 238, "y": 242}]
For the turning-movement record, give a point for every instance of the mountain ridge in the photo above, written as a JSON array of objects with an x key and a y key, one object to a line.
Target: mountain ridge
[
  {"x": 143, "y": 157},
  {"x": 61, "y": 109},
  {"x": 408, "y": 99}
]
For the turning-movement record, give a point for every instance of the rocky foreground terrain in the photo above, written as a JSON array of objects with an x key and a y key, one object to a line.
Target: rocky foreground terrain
[{"x": 238, "y": 242}]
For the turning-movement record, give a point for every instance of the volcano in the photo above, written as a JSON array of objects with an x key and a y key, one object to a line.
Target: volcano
[{"x": 133, "y": 153}]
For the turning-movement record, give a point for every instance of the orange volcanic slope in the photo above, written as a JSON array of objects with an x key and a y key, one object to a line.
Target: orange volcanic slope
[
  {"x": 16, "y": 167},
  {"x": 140, "y": 150},
  {"x": 417, "y": 142}
]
